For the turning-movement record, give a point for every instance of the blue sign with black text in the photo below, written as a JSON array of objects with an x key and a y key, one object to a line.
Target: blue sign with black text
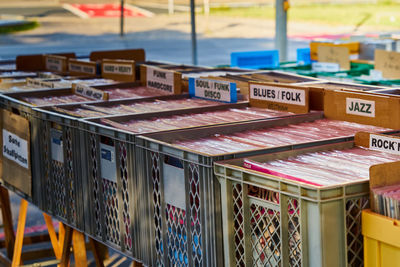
[{"x": 303, "y": 56}]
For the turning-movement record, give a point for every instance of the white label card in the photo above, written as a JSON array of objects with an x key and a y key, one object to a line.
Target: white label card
[
  {"x": 57, "y": 151},
  {"x": 384, "y": 144},
  {"x": 160, "y": 79},
  {"x": 15, "y": 148},
  {"x": 54, "y": 64},
  {"x": 113, "y": 68},
  {"x": 215, "y": 90},
  {"x": 325, "y": 67},
  {"x": 278, "y": 94},
  {"x": 82, "y": 68},
  {"x": 360, "y": 107},
  {"x": 90, "y": 92},
  {"x": 39, "y": 83},
  {"x": 108, "y": 166}
]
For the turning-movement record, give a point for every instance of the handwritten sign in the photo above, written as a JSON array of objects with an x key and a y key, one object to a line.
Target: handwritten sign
[
  {"x": 211, "y": 89},
  {"x": 89, "y": 92},
  {"x": 388, "y": 62},
  {"x": 335, "y": 54}
]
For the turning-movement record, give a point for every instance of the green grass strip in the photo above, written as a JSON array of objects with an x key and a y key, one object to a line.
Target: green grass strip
[{"x": 29, "y": 25}]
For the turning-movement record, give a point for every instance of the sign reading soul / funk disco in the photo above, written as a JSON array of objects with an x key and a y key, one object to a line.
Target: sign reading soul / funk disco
[{"x": 215, "y": 90}]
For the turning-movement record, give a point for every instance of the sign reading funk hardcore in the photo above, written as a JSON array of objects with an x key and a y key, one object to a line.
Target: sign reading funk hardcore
[
  {"x": 160, "y": 79},
  {"x": 360, "y": 107},
  {"x": 215, "y": 90}
]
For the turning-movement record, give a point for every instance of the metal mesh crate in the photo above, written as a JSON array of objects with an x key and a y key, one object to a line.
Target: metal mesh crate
[
  {"x": 182, "y": 195},
  {"x": 268, "y": 221}
]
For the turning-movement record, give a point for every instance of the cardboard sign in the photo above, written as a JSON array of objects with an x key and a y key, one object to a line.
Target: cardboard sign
[
  {"x": 354, "y": 47},
  {"x": 279, "y": 97},
  {"x": 16, "y": 161},
  {"x": 55, "y": 63},
  {"x": 39, "y": 83},
  {"x": 166, "y": 80},
  {"x": 335, "y": 54},
  {"x": 214, "y": 90},
  {"x": 372, "y": 109},
  {"x": 388, "y": 63},
  {"x": 77, "y": 67},
  {"x": 118, "y": 70},
  {"x": 89, "y": 92}
]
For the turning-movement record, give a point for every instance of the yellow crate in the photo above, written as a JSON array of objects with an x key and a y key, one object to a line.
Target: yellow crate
[
  {"x": 354, "y": 47},
  {"x": 381, "y": 240}
]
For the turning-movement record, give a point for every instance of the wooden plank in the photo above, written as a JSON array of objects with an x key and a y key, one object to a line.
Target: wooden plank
[
  {"x": 23, "y": 209},
  {"x": 61, "y": 233},
  {"x": 7, "y": 221},
  {"x": 78, "y": 243},
  {"x": 96, "y": 252},
  {"x": 4, "y": 260},
  {"x": 53, "y": 236},
  {"x": 66, "y": 248}
]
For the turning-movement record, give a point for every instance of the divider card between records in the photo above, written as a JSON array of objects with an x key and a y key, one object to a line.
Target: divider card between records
[
  {"x": 384, "y": 143},
  {"x": 89, "y": 92},
  {"x": 77, "y": 67},
  {"x": 118, "y": 70},
  {"x": 161, "y": 79},
  {"x": 360, "y": 107},
  {"x": 55, "y": 63},
  {"x": 279, "y": 97},
  {"x": 222, "y": 91}
]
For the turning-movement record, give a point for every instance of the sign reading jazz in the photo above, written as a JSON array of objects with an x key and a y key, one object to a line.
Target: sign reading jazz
[
  {"x": 215, "y": 90},
  {"x": 119, "y": 70},
  {"x": 360, "y": 107},
  {"x": 279, "y": 97},
  {"x": 16, "y": 166}
]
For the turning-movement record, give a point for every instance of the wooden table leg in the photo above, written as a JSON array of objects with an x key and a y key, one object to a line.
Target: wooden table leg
[
  {"x": 53, "y": 236},
  {"x": 7, "y": 221},
  {"x": 96, "y": 252},
  {"x": 19, "y": 240},
  {"x": 78, "y": 243},
  {"x": 66, "y": 248}
]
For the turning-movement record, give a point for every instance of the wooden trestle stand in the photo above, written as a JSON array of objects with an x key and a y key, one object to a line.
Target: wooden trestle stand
[{"x": 67, "y": 240}]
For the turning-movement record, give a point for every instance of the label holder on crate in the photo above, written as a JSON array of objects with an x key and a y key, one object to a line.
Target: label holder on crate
[
  {"x": 79, "y": 67},
  {"x": 118, "y": 70},
  {"x": 89, "y": 92},
  {"x": 55, "y": 63},
  {"x": 279, "y": 97},
  {"x": 222, "y": 91}
]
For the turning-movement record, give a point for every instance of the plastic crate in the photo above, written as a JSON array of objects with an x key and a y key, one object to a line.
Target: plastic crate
[
  {"x": 113, "y": 191},
  {"x": 269, "y": 221},
  {"x": 186, "y": 231},
  {"x": 381, "y": 240}
]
